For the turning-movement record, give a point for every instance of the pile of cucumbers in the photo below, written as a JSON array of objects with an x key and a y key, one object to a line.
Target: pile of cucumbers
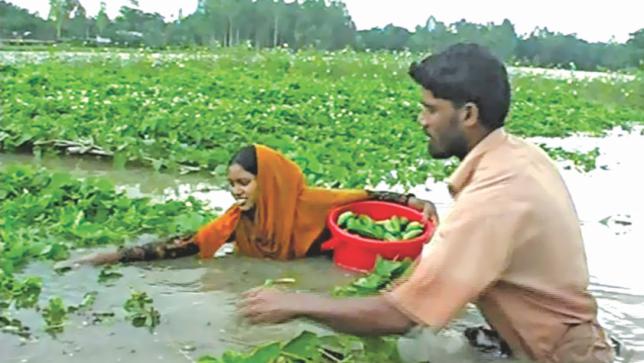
[{"x": 395, "y": 228}]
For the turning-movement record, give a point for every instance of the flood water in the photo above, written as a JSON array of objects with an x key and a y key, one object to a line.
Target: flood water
[{"x": 197, "y": 299}]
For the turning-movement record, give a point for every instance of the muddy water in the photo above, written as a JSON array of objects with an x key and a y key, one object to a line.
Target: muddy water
[{"x": 196, "y": 299}]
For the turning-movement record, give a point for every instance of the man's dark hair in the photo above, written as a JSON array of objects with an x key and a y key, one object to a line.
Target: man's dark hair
[
  {"x": 467, "y": 73},
  {"x": 246, "y": 157}
]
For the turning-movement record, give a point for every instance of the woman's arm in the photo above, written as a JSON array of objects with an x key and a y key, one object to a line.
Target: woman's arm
[{"x": 167, "y": 249}]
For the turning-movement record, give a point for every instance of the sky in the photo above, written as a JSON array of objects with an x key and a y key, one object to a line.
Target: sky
[{"x": 604, "y": 21}]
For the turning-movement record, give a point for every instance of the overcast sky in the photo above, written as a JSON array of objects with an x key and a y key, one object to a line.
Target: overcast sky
[{"x": 601, "y": 21}]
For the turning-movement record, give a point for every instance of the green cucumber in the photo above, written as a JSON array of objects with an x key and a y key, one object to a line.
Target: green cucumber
[
  {"x": 414, "y": 225},
  {"x": 411, "y": 234},
  {"x": 391, "y": 237},
  {"x": 390, "y": 227},
  {"x": 344, "y": 218}
]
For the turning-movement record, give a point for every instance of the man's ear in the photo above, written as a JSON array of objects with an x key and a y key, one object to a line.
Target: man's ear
[{"x": 470, "y": 114}]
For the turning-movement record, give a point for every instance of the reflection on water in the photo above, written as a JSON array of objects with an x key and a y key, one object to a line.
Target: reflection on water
[{"x": 197, "y": 299}]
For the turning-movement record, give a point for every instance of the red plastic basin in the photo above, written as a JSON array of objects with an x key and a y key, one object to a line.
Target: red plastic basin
[{"x": 357, "y": 253}]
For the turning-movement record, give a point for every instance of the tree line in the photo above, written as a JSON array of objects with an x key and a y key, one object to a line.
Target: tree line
[{"x": 303, "y": 24}]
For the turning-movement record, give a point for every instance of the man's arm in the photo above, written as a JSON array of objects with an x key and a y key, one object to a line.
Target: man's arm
[
  {"x": 426, "y": 207},
  {"x": 359, "y": 316}
]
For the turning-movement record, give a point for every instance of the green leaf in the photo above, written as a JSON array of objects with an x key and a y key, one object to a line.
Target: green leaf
[
  {"x": 157, "y": 164},
  {"x": 56, "y": 251},
  {"x": 382, "y": 275},
  {"x": 14, "y": 326},
  {"x": 55, "y": 315},
  {"x": 27, "y": 292},
  {"x": 98, "y": 317},
  {"x": 221, "y": 169},
  {"x": 88, "y": 301},
  {"x": 109, "y": 273},
  {"x": 189, "y": 222},
  {"x": 265, "y": 354},
  {"x": 384, "y": 267},
  {"x": 233, "y": 357},
  {"x": 59, "y": 180},
  {"x": 304, "y": 346},
  {"x": 140, "y": 310},
  {"x": 208, "y": 359},
  {"x": 381, "y": 349}
]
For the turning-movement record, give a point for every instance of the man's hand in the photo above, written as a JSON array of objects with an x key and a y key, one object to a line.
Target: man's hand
[
  {"x": 270, "y": 306},
  {"x": 348, "y": 315},
  {"x": 428, "y": 208}
]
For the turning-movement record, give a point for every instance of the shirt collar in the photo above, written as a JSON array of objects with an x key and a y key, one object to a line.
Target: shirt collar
[{"x": 463, "y": 173}]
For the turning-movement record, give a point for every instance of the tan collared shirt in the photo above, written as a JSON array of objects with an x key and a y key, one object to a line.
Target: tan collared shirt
[{"x": 512, "y": 245}]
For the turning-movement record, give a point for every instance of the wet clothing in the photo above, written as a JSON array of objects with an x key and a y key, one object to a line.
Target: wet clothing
[
  {"x": 169, "y": 248},
  {"x": 511, "y": 245},
  {"x": 288, "y": 218}
]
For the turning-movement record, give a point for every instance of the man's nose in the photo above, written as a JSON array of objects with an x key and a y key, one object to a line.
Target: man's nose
[{"x": 421, "y": 120}]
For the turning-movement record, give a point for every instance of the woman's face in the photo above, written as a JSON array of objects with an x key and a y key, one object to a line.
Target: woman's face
[{"x": 243, "y": 186}]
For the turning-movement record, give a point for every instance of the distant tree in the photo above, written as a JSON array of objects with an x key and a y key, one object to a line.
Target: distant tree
[
  {"x": 102, "y": 21},
  {"x": 18, "y": 22},
  {"x": 322, "y": 24},
  {"x": 60, "y": 12}
]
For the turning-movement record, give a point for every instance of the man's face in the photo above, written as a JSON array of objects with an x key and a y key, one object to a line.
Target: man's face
[{"x": 442, "y": 123}]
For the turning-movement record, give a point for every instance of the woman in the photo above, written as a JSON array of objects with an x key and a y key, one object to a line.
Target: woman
[{"x": 275, "y": 215}]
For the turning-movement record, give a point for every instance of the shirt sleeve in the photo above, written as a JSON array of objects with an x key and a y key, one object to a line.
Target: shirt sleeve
[{"x": 469, "y": 252}]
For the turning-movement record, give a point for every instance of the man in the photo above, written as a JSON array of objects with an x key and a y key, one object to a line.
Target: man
[{"x": 511, "y": 244}]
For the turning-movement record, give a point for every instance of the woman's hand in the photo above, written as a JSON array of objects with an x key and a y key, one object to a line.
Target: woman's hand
[{"x": 94, "y": 260}]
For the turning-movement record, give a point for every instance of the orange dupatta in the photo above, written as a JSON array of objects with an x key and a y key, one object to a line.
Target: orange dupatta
[{"x": 289, "y": 216}]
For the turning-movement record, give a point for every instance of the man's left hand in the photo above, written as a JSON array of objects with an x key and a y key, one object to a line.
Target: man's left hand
[{"x": 428, "y": 208}]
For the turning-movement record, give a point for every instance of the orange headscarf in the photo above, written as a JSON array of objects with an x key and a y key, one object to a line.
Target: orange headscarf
[{"x": 289, "y": 216}]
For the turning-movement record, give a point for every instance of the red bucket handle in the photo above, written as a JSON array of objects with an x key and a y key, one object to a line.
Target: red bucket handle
[{"x": 330, "y": 244}]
